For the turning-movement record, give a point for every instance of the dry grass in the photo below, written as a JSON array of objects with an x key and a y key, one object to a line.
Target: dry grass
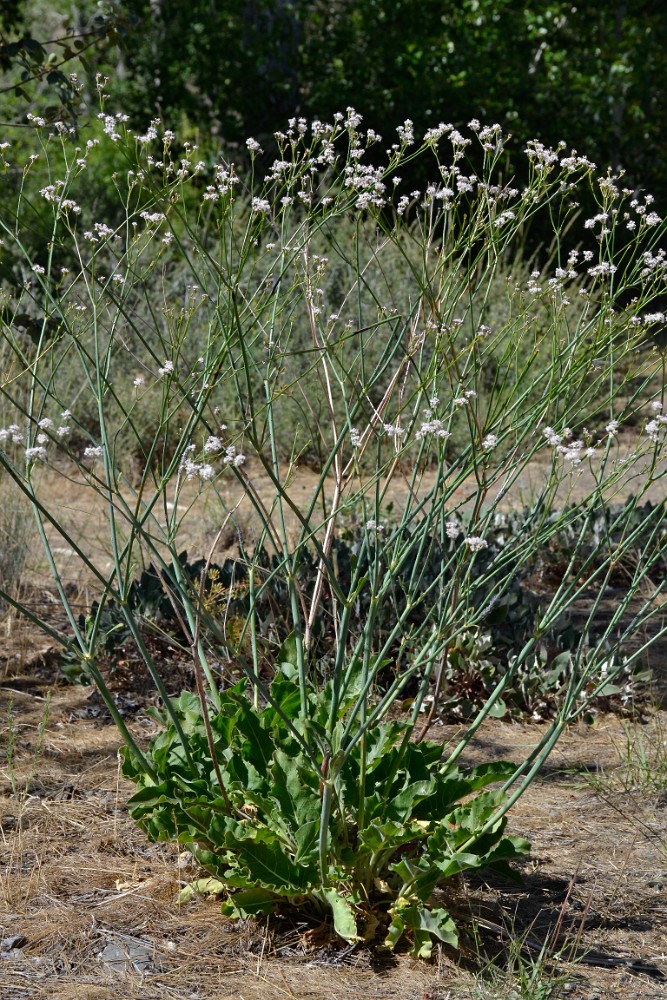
[{"x": 78, "y": 877}]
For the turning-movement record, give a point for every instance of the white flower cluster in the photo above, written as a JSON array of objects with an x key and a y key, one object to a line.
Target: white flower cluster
[
  {"x": 196, "y": 470},
  {"x": 406, "y": 132},
  {"x": 232, "y": 457},
  {"x": 367, "y": 180},
  {"x": 432, "y": 426},
  {"x": 393, "y": 430},
  {"x": 573, "y": 451},
  {"x": 150, "y": 134},
  {"x": 47, "y": 431},
  {"x": 545, "y": 159},
  {"x": 11, "y": 433},
  {"x": 463, "y": 400},
  {"x": 655, "y": 263},
  {"x": 261, "y": 206},
  {"x": 475, "y": 543},
  {"x": 225, "y": 181},
  {"x": 99, "y": 232},
  {"x": 659, "y": 420},
  {"x": 203, "y": 470},
  {"x": 602, "y": 270},
  {"x": 504, "y": 217},
  {"x": 111, "y": 123}
]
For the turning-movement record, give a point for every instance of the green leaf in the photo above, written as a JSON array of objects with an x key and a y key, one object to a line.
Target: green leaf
[
  {"x": 201, "y": 887},
  {"x": 345, "y": 922},
  {"x": 248, "y": 903},
  {"x": 288, "y": 698},
  {"x": 498, "y": 709},
  {"x": 306, "y": 838},
  {"x": 425, "y": 924},
  {"x": 288, "y": 656},
  {"x": 395, "y": 930},
  {"x": 269, "y": 865}
]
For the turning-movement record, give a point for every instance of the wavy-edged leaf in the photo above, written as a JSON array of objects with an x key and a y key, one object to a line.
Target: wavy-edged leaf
[
  {"x": 269, "y": 865},
  {"x": 249, "y": 903},
  {"x": 345, "y": 921}
]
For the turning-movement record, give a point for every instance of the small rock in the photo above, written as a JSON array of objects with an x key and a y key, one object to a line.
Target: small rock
[
  {"x": 129, "y": 955},
  {"x": 13, "y": 943}
]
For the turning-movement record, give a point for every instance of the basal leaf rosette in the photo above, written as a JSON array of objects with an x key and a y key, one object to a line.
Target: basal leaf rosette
[{"x": 402, "y": 821}]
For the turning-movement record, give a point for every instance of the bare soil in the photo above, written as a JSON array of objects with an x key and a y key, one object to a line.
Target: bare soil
[{"x": 89, "y": 907}]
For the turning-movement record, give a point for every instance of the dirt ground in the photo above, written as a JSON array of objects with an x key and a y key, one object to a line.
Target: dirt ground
[{"x": 88, "y": 908}]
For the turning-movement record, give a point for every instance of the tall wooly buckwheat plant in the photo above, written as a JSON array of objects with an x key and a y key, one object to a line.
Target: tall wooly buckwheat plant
[{"x": 190, "y": 353}]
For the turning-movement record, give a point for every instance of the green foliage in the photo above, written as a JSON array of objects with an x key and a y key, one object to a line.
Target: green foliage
[
  {"x": 163, "y": 409},
  {"x": 43, "y": 52},
  {"x": 401, "y": 822},
  {"x": 549, "y": 70}
]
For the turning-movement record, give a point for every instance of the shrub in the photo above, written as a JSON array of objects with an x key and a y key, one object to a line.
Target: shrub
[{"x": 397, "y": 379}]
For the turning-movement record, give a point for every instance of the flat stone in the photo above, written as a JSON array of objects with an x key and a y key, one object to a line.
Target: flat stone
[{"x": 126, "y": 956}]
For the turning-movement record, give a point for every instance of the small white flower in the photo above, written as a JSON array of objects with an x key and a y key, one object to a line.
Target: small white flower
[
  {"x": 552, "y": 438},
  {"x": 612, "y": 428},
  {"x": 94, "y": 451},
  {"x": 355, "y": 437},
  {"x": 261, "y": 205},
  {"x": 232, "y": 457},
  {"x": 374, "y": 526},
  {"x": 432, "y": 427},
  {"x": 452, "y": 529},
  {"x": 206, "y": 473},
  {"x": 490, "y": 442},
  {"x": 475, "y": 543},
  {"x": 35, "y": 454},
  {"x": 138, "y": 381},
  {"x": 38, "y": 269},
  {"x": 167, "y": 369},
  {"x": 212, "y": 445},
  {"x": 652, "y": 428}
]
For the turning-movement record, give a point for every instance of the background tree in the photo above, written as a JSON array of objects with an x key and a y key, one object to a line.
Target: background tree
[{"x": 593, "y": 75}]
